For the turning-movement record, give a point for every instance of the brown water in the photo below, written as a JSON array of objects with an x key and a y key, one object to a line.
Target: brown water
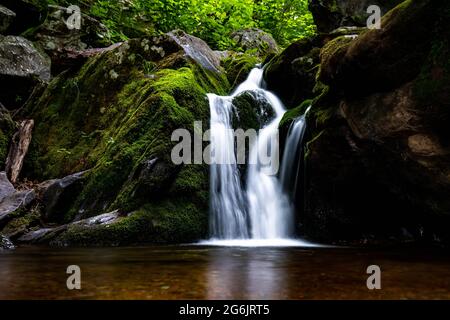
[{"x": 199, "y": 272}]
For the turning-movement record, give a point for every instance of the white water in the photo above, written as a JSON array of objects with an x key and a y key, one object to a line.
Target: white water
[
  {"x": 259, "y": 214},
  {"x": 290, "y": 167}
]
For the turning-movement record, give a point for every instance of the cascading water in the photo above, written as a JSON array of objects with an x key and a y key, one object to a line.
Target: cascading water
[
  {"x": 289, "y": 173},
  {"x": 261, "y": 210}
]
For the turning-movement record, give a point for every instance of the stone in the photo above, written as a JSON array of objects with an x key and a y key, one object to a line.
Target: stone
[
  {"x": 6, "y": 18},
  {"x": 21, "y": 67},
  {"x": 15, "y": 201},
  {"x": 255, "y": 39},
  {"x": 58, "y": 195},
  {"x": 6, "y": 187},
  {"x": 197, "y": 49}
]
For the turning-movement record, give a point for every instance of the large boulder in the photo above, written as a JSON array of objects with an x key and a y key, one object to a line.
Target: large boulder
[
  {"x": 28, "y": 14},
  {"x": 116, "y": 116},
  {"x": 57, "y": 195},
  {"x": 11, "y": 200},
  {"x": 378, "y": 153},
  {"x": 6, "y": 18},
  {"x": 332, "y": 14},
  {"x": 253, "y": 39},
  {"x": 292, "y": 73},
  {"x": 61, "y": 41},
  {"x": 21, "y": 67}
]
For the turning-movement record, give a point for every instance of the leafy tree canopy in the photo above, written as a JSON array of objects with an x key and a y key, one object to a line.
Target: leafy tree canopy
[{"x": 211, "y": 20}]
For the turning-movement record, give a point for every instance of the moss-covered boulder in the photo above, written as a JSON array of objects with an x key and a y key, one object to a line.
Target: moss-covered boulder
[
  {"x": 363, "y": 65},
  {"x": 238, "y": 66},
  {"x": 377, "y": 142},
  {"x": 22, "y": 66},
  {"x": 292, "y": 73},
  {"x": 115, "y": 117}
]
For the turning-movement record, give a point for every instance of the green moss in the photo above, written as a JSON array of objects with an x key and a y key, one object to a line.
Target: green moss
[
  {"x": 332, "y": 48},
  {"x": 238, "y": 66},
  {"x": 22, "y": 220},
  {"x": 294, "y": 113},
  {"x": 172, "y": 221}
]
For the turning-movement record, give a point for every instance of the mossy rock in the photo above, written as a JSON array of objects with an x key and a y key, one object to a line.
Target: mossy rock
[
  {"x": 292, "y": 73},
  {"x": 238, "y": 66},
  {"x": 168, "y": 221},
  {"x": 113, "y": 116}
]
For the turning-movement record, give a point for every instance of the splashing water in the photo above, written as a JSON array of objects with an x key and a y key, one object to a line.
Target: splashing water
[{"x": 260, "y": 211}]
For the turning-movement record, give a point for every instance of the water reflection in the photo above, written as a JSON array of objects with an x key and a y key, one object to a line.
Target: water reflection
[
  {"x": 246, "y": 273},
  {"x": 211, "y": 272}
]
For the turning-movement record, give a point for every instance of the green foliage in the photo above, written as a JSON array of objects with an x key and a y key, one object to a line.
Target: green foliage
[
  {"x": 211, "y": 20},
  {"x": 286, "y": 20}
]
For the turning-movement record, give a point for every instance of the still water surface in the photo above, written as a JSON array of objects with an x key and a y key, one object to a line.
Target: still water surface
[{"x": 212, "y": 272}]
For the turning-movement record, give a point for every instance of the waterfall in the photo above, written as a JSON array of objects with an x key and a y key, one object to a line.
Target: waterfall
[
  {"x": 290, "y": 167},
  {"x": 260, "y": 210}
]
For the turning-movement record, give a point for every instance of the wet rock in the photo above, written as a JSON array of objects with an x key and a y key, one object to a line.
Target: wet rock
[
  {"x": 252, "y": 111},
  {"x": 21, "y": 67},
  {"x": 197, "y": 49},
  {"x": 116, "y": 114},
  {"x": 6, "y": 187},
  {"x": 292, "y": 73},
  {"x": 41, "y": 235},
  {"x": 378, "y": 146},
  {"x": 5, "y": 243},
  {"x": 6, "y": 18},
  {"x": 363, "y": 66},
  {"x": 58, "y": 195},
  {"x": 15, "y": 201},
  {"x": 332, "y": 14},
  {"x": 49, "y": 234},
  {"x": 255, "y": 39},
  {"x": 238, "y": 66}
]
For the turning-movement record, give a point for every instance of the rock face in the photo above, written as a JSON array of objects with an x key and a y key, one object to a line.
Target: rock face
[
  {"x": 6, "y": 18},
  {"x": 255, "y": 39},
  {"x": 12, "y": 200},
  {"x": 292, "y": 74},
  {"x": 378, "y": 154},
  {"x": 6, "y": 187},
  {"x": 197, "y": 50},
  {"x": 332, "y": 14},
  {"x": 58, "y": 195},
  {"x": 21, "y": 66}
]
